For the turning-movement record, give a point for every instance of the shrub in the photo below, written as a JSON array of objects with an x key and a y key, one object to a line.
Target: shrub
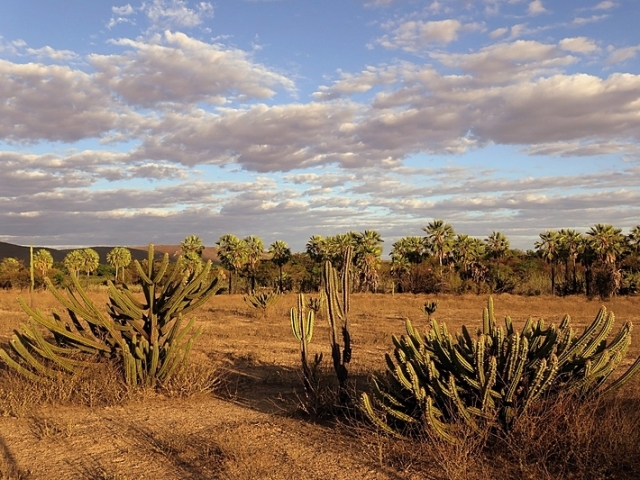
[
  {"x": 148, "y": 337},
  {"x": 437, "y": 379}
]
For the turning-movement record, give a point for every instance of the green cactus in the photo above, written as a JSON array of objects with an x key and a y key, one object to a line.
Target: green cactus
[
  {"x": 302, "y": 326},
  {"x": 337, "y": 296},
  {"x": 148, "y": 337},
  {"x": 262, "y": 301},
  {"x": 435, "y": 378}
]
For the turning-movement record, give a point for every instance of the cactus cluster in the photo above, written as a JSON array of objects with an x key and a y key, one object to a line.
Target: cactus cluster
[
  {"x": 147, "y": 336},
  {"x": 492, "y": 376},
  {"x": 262, "y": 301}
]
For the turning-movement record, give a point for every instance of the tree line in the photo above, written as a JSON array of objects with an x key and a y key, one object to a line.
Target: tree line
[{"x": 600, "y": 262}]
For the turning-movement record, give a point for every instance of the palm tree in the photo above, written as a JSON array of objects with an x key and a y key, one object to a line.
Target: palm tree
[
  {"x": 233, "y": 255},
  {"x": 633, "y": 239},
  {"x": 280, "y": 255},
  {"x": 43, "y": 261},
  {"x": 549, "y": 249},
  {"x": 497, "y": 245},
  {"x": 73, "y": 261},
  {"x": 410, "y": 248},
  {"x": 191, "y": 249},
  {"x": 570, "y": 241},
  {"x": 316, "y": 248},
  {"x": 607, "y": 242},
  {"x": 255, "y": 250},
  {"x": 90, "y": 261},
  {"x": 367, "y": 253},
  {"x": 119, "y": 258},
  {"x": 463, "y": 247},
  {"x": 439, "y": 238}
]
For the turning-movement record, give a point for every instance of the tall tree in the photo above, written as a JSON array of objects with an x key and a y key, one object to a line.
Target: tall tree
[
  {"x": 191, "y": 249},
  {"x": 570, "y": 242},
  {"x": 280, "y": 255},
  {"x": 367, "y": 258},
  {"x": 255, "y": 250},
  {"x": 548, "y": 248},
  {"x": 119, "y": 258},
  {"x": 73, "y": 261},
  {"x": 497, "y": 245},
  {"x": 43, "y": 261},
  {"x": 90, "y": 261},
  {"x": 316, "y": 248},
  {"x": 233, "y": 255},
  {"x": 607, "y": 242},
  {"x": 439, "y": 239}
]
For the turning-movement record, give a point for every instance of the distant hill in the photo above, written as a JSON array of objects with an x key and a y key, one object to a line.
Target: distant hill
[{"x": 22, "y": 253}]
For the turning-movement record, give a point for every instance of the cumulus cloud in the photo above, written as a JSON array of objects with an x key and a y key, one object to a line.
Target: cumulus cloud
[
  {"x": 578, "y": 45},
  {"x": 177, "y": 68},
  {"x": 414, "y": 36},
  {"x": 51, "y": 102},
  {"x": 536, "y": 8},
  {"x": 175, "y": 13}
]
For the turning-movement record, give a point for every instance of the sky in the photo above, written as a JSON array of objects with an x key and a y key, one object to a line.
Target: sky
[{"x": 128, "y": 123}]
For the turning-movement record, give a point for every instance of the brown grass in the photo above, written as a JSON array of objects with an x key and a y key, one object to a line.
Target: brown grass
[{"x": 234, "y": 412}]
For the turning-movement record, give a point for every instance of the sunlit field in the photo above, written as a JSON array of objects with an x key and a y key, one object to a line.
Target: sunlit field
[{"x": 234, "y": 413}]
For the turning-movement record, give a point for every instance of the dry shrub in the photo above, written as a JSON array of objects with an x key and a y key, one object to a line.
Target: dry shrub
[
  {"x": 96, "y": 385},
  {"x": 564, "y": 438},
  {"x": 196, "y": 377},
  {"x": 570, "y": 438}
]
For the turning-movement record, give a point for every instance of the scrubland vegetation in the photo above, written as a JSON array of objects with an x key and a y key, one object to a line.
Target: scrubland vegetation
[{"x": 152, "y": 375}]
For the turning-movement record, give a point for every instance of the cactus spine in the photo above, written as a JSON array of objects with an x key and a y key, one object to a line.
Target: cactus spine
[
  {"x": 147, "y": 336},
  {"x": 435, "y": 378},
  {"x": 338, "y": 296}
]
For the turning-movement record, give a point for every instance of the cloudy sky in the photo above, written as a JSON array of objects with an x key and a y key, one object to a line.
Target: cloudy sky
[{"x": 130, "y": 123}]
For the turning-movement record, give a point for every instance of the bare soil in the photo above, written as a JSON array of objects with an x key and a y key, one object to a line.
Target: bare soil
[{"x": 249, "y": 427}]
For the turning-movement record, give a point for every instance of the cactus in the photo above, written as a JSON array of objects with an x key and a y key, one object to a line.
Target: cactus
[
  {"x": 430, "y": 308},
  {"x": 302, "y": 326},
  {"x": 437, "y": 377},
  {"x": 262, "y": 301},
  {"x": 338, "y": 303},
  {"x": 148, "y": 337}
]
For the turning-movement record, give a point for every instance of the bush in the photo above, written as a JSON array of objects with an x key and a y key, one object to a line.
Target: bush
[{"x": 437, "y": 380}]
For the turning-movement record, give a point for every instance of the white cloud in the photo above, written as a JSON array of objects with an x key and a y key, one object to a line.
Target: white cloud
[
  {"x": 124, "y": 10},
  {"x": 605, "y": 5},
  {"x": 620, "y": 55},
  {"x": 580, "y": 21},
  {"x": 175, "y": 13},
  {"x": 536, "y": 8},
  {"x": 178, "y": 68},
  {"x": 414, "y": 36},
  {"x": 48, "y": 52},
  {"x": 578, "y": 45},
  {"x": 498, "y": 32}
]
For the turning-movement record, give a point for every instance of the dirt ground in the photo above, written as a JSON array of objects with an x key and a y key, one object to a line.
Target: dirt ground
[{"x": 249, "y": 428}]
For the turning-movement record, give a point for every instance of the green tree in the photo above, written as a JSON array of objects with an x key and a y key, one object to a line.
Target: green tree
[
  {"x": 119, "y": 258},
  {"x": 233, "y": 254},
  {"x": 255, "y": 250},
  {"x": 280, "y": 255},
  {"x": 439, "y": 239},
  {"x": 90, "y": 261},
  {"x": 548, "y": 247},
  {"x": 191, "y": 249},
  {"x": 570, "y": 241},
  {"x": 607, "y": 242},
  {"x": 367, "y": 258},
  {"x": 497, "y": 245},
  {"x": 73, "y": 261},
  {"x": 43, "y": 261}
]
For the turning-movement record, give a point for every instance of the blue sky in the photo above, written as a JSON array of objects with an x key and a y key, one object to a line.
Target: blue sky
[{"x": 129, "y": 123}]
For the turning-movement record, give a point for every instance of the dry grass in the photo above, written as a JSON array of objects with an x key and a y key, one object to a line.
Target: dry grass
[{"x": 229, "y": 414}]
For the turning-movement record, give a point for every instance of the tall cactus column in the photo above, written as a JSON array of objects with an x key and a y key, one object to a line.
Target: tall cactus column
[{"x": 338, "y": 295}]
